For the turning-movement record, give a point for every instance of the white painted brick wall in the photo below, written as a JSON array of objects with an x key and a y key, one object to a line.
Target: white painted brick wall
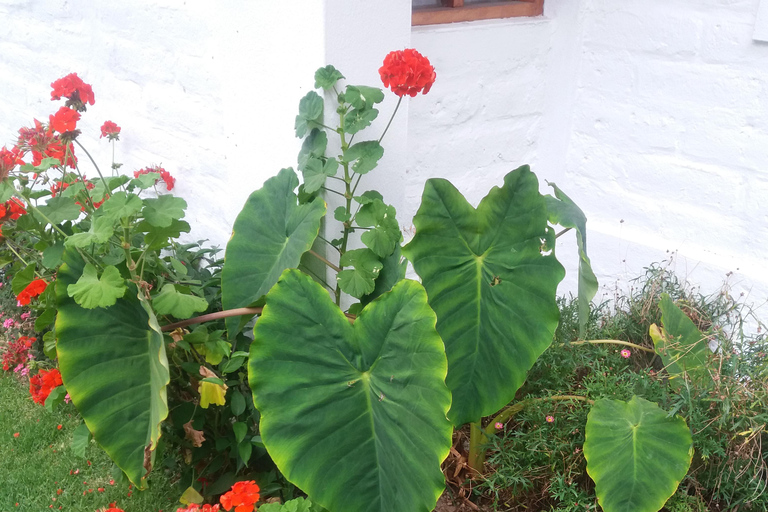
[{"x": 652, "y": 115}]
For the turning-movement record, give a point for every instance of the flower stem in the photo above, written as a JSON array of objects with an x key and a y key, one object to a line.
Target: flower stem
[
  {"x": 106, "y": 187},
  {"x": 400, "y": 99}
]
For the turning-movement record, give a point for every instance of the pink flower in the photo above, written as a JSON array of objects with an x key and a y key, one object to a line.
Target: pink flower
[
  {"x": 550, "y": 419},
  {"x": 499, "y": 425},
  {"x": 8, "y": 323},
  {"x": 626, "y": 353},
  {"x": 25, "y": 315}
]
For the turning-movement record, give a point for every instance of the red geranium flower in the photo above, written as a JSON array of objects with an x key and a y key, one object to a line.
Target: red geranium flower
[
  {"x": 194, "y": 507},
  {"x": 43, "y": 143},
  {"x": 41, "y": 384},
  {"x": 17, "y": 352},
  {"x": 407, "y": 72},
  {"x": 110, "y": 130},
  {"x": 65, "y": 120},
  {"x": 169, "y": 180},
  {"x": 33, "y": 289},
  {"x": 243, "y": 497},
  {"x": 58, "y": 186},
  {"x": 11, "y": 209},
  {"x": 9, "y": 159},
  {"x": 75, "y": 90}
]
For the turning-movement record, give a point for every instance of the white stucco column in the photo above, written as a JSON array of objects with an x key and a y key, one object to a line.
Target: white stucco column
[{"x": 358, "y": 35}]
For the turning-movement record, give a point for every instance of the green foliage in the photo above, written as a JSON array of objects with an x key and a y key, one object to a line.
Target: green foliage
[
  {"x": 91, "y": 291},
  {"x": 479, "y": 267},
  {"x": 342, "y": 389},
  {"x": 270, "y": 234},
  {"x": 636, "y": 454},
  {"x": 114, "y": 367}
]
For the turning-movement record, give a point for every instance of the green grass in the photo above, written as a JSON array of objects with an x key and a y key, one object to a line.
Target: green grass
[{"x": 37, "y": 463}]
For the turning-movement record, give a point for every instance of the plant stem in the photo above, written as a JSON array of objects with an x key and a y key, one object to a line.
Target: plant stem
[
  {"x": 477, "y": 442},
  {"x": 106, "y": 188},
  {"x": 391, "y": 118},
  {"x": 331, "y": 265},
  {"x": 478, "y": 437},
  {"x": 212, "y": 316},
  {"x": 615, "y": 342},
  {"x": 562, "y": 232},
  {"x": 333, "y": 191}
]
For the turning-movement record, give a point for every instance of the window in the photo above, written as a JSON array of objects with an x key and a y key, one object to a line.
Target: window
[{"x": 430, "y": 12}]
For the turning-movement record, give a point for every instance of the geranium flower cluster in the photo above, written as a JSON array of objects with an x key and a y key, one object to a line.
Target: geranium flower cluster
[
  {"x": 407, "y": 72},
  {"x": 169, "y": 180},
  {"x": 42, "y": 383},
  {"x": 32, "y": 290},
  {"x": 77, "y": 92},
  {"x": 17, "y": 352},
  {"x": 243, "y": 497}
]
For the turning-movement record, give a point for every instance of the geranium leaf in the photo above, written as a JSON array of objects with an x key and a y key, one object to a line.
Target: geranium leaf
[
  {"x": 7, "y": 190},
  {"x": 360, "y": 279},
  {"x": 310, "y": 113},
  {"x": 171, "y": 302},
  {"x": 91, "y": 291},
  {"x": 100, "y": 191},
  {"x": 371, "y": 213},
  {"x": 357, "y": 120},
  {"x": 114, "y": 367},
  {"x": 362, "y": 97},
  {"x": 59, "y": 209},
  {"x": 365, "y": 155},
  {"x": 162, "y": 211},
  {"x": 492, "y": 288},
  {"x": 385, "y": 236},
  {"x": 329, "y": 391},
  {"x": 327, "y": 77},
  {"x": 270, "y": 234},
  {"x": 157, "y": 238},
  {"x": 101, "y": 230},
  {"x": 120, "y": 205},
  {"x": 313, "y": 147},
  {"x": 316, "y": 172},
  {"x": 392, "y": 271},
  {"x": 636, "y": 454}
]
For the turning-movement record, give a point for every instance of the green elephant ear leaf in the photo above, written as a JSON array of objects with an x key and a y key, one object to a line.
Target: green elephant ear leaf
[
  {"x": 270, "y": 234},
  {"x": 491, "y": 286},
  {"x": 636, "y": 454},
  {"x": 563, "y": 211},
  {"x": 364, "y": 402},
  {"x": 114, "y": 367},
  {"x": 683, "y": 348}
]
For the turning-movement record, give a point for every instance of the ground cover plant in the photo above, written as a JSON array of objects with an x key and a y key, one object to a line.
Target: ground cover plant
[
  {"x": 354, "y": 380},
  {"x": 536, "y": 458}
]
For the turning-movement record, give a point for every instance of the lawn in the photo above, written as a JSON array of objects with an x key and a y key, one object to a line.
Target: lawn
[{"x": 39, "y": 470}]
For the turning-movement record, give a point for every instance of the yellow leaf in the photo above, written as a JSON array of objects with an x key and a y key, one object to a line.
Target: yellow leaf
[{"x": 191, "y": 496}]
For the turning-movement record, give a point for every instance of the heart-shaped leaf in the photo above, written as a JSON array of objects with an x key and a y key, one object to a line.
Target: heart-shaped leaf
[
  {"x": 490, "y": 285},
  {"x": 114, "y": 367},
  {"x": 354, "y": 415},
  {"x": 636, "y": 454},
  {"x": 270, "y": 234}
]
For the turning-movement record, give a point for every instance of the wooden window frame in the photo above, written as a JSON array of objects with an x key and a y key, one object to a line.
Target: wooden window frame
[{"x": 455, "y": 10}]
